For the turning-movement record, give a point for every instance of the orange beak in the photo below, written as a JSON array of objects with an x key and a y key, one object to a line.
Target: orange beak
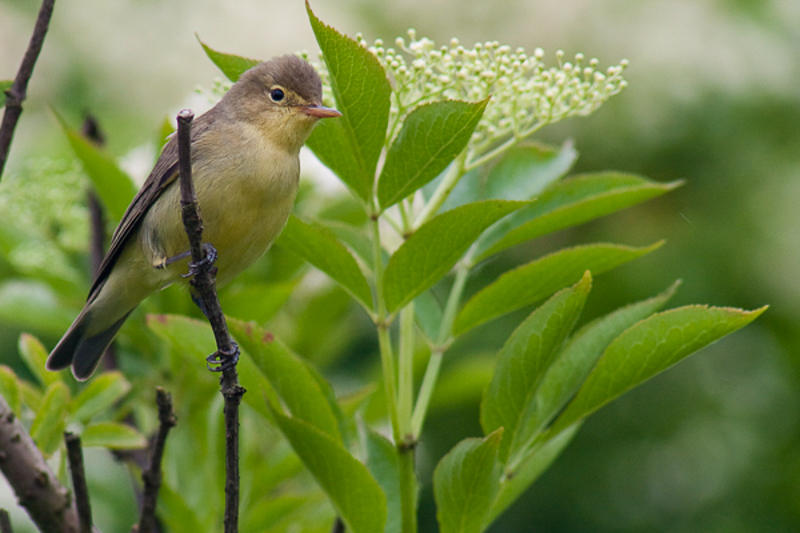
[{"x": 320, "y": 111}]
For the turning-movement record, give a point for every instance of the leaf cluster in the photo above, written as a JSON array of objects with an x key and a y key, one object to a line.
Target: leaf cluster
[{"x": 425, "y": 212}]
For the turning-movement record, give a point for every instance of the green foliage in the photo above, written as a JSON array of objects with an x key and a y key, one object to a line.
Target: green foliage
[
  {"x": 352, "y": 145},
  {"x": 357, "y": 496},
  {"x": 232, "y": 66},
  {"x": 522, "y": 364},
  {"x": 648, "y": 347},
  {"x": 114, "y": 187},
  {"x": 430, "y": 139},
  {"x": 532, "y": 282},
  {"x": 301, "y": 394},
  {"x": 320, "y": 247},
  {"x": 434, "y": 248},
  {"x": 466, "y": 482},
  {"x": 5, "y": 85},
  {"x": 434, "y": 150}
]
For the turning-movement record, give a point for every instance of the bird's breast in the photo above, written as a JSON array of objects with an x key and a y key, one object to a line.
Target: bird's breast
[
  {"x": 245, "y": 196},
  {"x": 245, "y": 208}
]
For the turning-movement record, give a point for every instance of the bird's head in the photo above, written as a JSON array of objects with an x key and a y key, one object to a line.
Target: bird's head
[{"x": 282, "y": 96}]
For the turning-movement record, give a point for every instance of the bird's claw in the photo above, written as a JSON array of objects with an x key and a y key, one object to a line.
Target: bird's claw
[
  {"x": 207, "y": 261},
  {"x": 222, "y": 360}
]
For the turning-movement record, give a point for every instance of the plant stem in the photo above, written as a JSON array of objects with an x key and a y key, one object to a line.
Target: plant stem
[
  {"x": 382, "y": 325},
  {"x": 405, "y": 384},
  {"x": 426, "y": 391},
  {"x": 408, "y": 490},
  {"x": 450, "y": 180},
  {"x": 442, "y": 343},
  {"x": 482, "y": 160}
]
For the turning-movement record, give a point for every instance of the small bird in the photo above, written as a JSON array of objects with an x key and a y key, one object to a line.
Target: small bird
[{"x": 246, "y": 168}]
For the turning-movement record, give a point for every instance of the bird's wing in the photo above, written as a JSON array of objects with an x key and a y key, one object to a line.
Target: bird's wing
[{"x": 164, "y": 173}]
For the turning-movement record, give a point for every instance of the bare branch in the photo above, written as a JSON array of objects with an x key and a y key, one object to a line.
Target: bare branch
[
  {"x": 5, "y": 522},
  {"x": 79, "y": 488},
  {"x": 152, "y": 476},
  {"x": 203, "y": 282},
  {"x": 48, "y": 503},
  {"x": 18, "y": 92}
]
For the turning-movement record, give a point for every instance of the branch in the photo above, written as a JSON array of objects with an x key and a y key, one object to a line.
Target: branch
[
  {"x": 48, "y": 503},
  {"x": 16, "y": 95},
  {"x": 203, "y": 281},
  {"x": 152, "y": 476},
  {"x": 79, "y": 488},
  {"x": 5, "y": 522}
]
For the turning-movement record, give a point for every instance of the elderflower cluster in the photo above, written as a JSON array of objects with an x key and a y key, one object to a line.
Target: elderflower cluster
[{"x": 525, "y": 94}]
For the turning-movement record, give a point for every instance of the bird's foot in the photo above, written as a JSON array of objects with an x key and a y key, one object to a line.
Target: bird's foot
[
  {"x": 206, "y": 262},
  {"x": 222, "y": 360}
]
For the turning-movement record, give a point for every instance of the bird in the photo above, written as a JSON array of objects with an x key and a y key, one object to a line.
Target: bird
[{"x": 246, "y": 170}]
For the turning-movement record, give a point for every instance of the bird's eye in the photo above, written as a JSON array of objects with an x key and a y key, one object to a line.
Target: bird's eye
[{"x": 276, "y": 95}]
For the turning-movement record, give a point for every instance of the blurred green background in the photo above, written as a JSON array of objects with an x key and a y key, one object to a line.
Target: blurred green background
[{"x": 710, "y": 446}]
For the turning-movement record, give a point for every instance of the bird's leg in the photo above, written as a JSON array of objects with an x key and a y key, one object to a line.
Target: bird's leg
[
  {"x": 169, "y": 260},
  {"x": 223, "y": 359}
]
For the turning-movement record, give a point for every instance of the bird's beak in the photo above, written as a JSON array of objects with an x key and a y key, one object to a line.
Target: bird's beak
[{"x": 320, "y": 111}]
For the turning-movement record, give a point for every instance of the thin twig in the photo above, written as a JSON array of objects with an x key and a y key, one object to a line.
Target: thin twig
[
  {"x": 36, "y": 486},
  {"x": 203, "y": 282},
  {"x": 79, "y": 488},
  {"x": 5, "y": 522},
  {"x": 19, "y": 90},
  {"x": 152, "y": 476}
]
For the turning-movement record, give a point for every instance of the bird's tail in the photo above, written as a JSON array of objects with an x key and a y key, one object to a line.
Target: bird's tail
[{"x": 80, "y": 350}]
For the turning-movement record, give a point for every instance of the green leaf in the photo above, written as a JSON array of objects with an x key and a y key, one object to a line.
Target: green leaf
[
  {"x": 356, "y": 495},
  {"x": 9, "y": 389},
  {"x": 5, "y": 85},
  {"x": 356, "y": 239},
  {"x": 113, "y": 436},
  {"x": 34, "y": 355},
  {"x": 383, "y": 463},
  {"x": 351, "y": 145},
  {"x": 288, "y": 375},
  {"x": 527, "y": 170},
  {"x": 114, "y": 187},
  {"x": 255, "y": 301},
  {"x": 192, "y": 340},
  {"x": 533, "y": 465},
  {"x": 431, "y": 251},
  {"x": 175, "y": 512},
  {"x": 270, "y": 514},
  {"x": 428, "y": 313},
  {"x": 581, "y": 353},
  {"x": 50, "y": 422},
  {"x": 33, "y": 305},
  {"x": 465, "y": 483},
  {"x": 232, "y": 66},
  {"x": 29, "y": 394},
  {"x": 430, "y": 139},
  {"x": 523, "y": 362},
  {"x": 521, "y": 174},
  {"x": 569, "y": 203},
  {"x": 319, "y": 247},
  {"x": 100, "y": 395},
  {"x": 536, "y": 280},
  {"x": 648, "y": 348}
]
